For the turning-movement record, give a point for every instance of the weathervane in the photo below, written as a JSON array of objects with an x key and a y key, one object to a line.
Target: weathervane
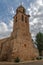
[{"x": 21, "y": 3}]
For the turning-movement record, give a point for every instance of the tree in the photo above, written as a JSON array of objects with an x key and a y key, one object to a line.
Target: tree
[{"x": 39, "y": 41}]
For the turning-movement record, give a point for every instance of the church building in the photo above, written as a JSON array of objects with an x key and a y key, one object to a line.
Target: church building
[{"x": 20, "y": 43}]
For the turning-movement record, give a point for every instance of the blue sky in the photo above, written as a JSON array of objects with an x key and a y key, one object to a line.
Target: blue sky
[
  {"x": 6, "y": 6},
  {"x": 8, "y": 10}
]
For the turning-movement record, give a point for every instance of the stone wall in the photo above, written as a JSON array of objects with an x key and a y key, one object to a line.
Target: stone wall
[{"x": 19, "y": 44}]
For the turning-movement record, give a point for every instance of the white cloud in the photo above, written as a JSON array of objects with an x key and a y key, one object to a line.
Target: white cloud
[
  {"x": 11, "y": 10},
  {"x": 11, "y": 23},
  {"x": 3, "y": 27},
  {"x": 5, "y": 30},
  {"x": 39, "y": 2},
  {"x": 36, "y": 19},
  {"x": 31, "y": 23},
  {"x": 41, "y": 26},
  {"x": 10, "y": 26}
]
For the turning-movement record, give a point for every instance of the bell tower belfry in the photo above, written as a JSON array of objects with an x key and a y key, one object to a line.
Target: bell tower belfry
[
  {"x": 22, "y": 46},
  {"x": 21, "y": 22}
]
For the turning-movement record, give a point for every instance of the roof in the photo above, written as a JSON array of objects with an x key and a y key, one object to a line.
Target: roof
[{"x": 21, "y": 7}]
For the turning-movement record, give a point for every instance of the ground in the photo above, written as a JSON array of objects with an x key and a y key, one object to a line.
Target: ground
[{"x": 39, "y": 62}]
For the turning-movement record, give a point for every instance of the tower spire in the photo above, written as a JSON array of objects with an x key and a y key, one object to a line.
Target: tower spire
[{"x": 21, "y": 3}]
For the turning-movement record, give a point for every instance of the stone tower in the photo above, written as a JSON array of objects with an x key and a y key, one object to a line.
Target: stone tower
[
  {"x": 22, "y": 42},
  {"x": 19, "y": 44}
]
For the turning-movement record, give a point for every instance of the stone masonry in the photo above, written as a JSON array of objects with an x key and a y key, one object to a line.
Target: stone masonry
[{"x": 19, "y": 44}]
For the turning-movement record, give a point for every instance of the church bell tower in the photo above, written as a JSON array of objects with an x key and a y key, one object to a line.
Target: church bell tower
[
  {"x": 21, "y": 23},
  {"x": 22, "y": 46}
]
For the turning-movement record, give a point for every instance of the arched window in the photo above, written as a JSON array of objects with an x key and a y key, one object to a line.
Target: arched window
[
  {"x": 16, "y": 19},
  {"x": 23, "y": 11},
  {"x": 22, "y": 18},
  {"x": 25, "y": 19}
]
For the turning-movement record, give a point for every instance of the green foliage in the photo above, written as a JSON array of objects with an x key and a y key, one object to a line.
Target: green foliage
[
  {"x": 39, "y": 38},
  {"x": 39, "y": 41},
  {"x": 17, "y": 59}
]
